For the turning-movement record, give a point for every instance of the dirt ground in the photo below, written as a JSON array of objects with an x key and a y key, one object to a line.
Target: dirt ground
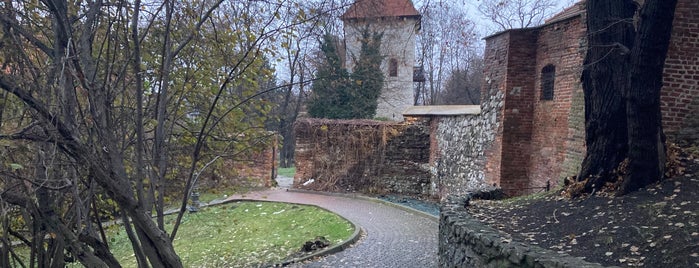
[{"x": 654, "y": 227}]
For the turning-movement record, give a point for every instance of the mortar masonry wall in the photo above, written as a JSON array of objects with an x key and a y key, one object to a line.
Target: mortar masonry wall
[
  {"x": 679, "y": 99},
  {"x": 557, "y": 141},
  {"x": 466, "y": 242},
  {"x": 426, "y": 156},
  {"x": 252, "y": 168},
  {"x": 460, "y": 144},
  {"x": 544, "y": 140},
  {"x": 365, "y": 156}
]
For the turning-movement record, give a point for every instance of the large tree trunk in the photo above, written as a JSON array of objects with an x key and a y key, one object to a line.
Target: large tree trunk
[
  {"x": 610, "y": 35},
  {"x": 624, "y": 127},
  {"x": 646, "y": 141}
]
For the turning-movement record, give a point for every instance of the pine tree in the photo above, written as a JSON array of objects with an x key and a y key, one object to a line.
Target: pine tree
[
  {"x": 339, "y": 95},
  {"x": 367, "y": 78},
  {"x": 331, "y": 97}
]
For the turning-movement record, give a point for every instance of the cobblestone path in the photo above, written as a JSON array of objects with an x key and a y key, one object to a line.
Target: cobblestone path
[{"x": 393, "y": 237}]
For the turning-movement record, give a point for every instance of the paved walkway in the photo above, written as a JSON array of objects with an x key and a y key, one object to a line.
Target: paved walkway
[{"x": 394, "y": 237}]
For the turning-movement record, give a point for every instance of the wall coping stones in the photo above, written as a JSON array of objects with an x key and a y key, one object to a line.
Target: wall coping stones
[
  {"x": 466, "y": 242},
  {"x": 442, "y": 110}
]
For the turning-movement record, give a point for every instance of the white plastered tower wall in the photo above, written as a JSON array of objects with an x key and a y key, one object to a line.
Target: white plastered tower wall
[{"x": 397, "y": 44}]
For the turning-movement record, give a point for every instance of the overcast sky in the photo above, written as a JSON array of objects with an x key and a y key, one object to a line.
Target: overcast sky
[{"x": 484, "y": 26}]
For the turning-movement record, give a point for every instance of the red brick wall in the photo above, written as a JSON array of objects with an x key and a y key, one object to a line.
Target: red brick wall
[
  {"x": 545, "y": 140},
  {"x": 257, "y": 169},
  {"x": 679, "y": 101},
  {"x": 518, "y": 113},
  {"x": 562, "y": 45},
  {"x": 495, "y": 75},
  {"x": 252, "y": 168}
]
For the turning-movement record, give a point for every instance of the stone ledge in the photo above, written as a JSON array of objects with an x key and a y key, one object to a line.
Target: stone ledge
[{"x": 466, "y": 242}]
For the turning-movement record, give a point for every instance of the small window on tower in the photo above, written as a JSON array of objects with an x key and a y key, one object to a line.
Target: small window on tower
[
  {"x": 393, "y": 67},
  {"x": 548, "y": 78}
]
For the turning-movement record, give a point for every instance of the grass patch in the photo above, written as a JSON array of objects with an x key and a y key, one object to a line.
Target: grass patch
[
  {"x": 287, "y": 172},
  {"x": 243, "y": 234}
]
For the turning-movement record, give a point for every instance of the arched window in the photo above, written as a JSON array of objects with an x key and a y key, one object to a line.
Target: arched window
[
  {"x": 393, "y": 67},
  {"x": 548, "y": 78}
]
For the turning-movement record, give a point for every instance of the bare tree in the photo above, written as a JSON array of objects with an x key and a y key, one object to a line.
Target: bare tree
[
  {"x": 446, "y": 43},
  {"x": 512, "y": 14},
  {"x": 297, "y": 46},
  {"x": 101, "y": 96},
  {"x": 464, "y": 84}
]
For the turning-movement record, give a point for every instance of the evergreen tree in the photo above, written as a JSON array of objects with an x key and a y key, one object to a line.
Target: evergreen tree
[
  {"x": 339, "y": 95},
  {"x": 367, "y": 78},
  {"x": 331, "y": 97}
]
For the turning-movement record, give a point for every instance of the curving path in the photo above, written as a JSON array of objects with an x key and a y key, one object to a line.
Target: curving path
[{"x": 394, "y": 237}]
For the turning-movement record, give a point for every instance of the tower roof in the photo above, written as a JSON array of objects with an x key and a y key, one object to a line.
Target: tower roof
[{"x": 368, "y": 9}]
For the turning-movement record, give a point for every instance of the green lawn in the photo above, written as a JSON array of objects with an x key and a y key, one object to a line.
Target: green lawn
[
  {"x": 244, "y": 234},
  {"x": 287, "y": 172}
]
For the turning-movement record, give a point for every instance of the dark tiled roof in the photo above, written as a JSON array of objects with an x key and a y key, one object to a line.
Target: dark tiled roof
[
  {"x": 364, "y": 9},
  {"x": 576, "y": 9}
]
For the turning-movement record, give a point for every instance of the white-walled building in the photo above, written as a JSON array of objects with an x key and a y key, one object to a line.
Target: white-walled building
[{"x": 399, "y": 22}]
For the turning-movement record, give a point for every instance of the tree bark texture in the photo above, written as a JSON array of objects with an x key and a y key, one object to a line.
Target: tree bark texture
[
  {"x": 645, "y": 136},
  {"x": 622, "y": 82},
  {"x": 606, "y": 68}
]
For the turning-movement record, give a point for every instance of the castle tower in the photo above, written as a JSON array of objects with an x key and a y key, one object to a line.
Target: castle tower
[{"x": 399, "y": 22}]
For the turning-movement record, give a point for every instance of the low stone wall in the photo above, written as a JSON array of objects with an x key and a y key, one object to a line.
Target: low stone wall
[
  {"x": 466, "y": 242},
  {"x": 459, "y": 146},
  {"x": 438, "y": 151},
  {"x": 365, "y": 156}
]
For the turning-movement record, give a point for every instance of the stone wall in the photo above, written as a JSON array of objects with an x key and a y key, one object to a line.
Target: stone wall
[
  {"x": 438, "y": 151},
  {"x": 365, "y": 156},
  {"x": 458, "y": 148},
  {"x": 466, "y": 242}
]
